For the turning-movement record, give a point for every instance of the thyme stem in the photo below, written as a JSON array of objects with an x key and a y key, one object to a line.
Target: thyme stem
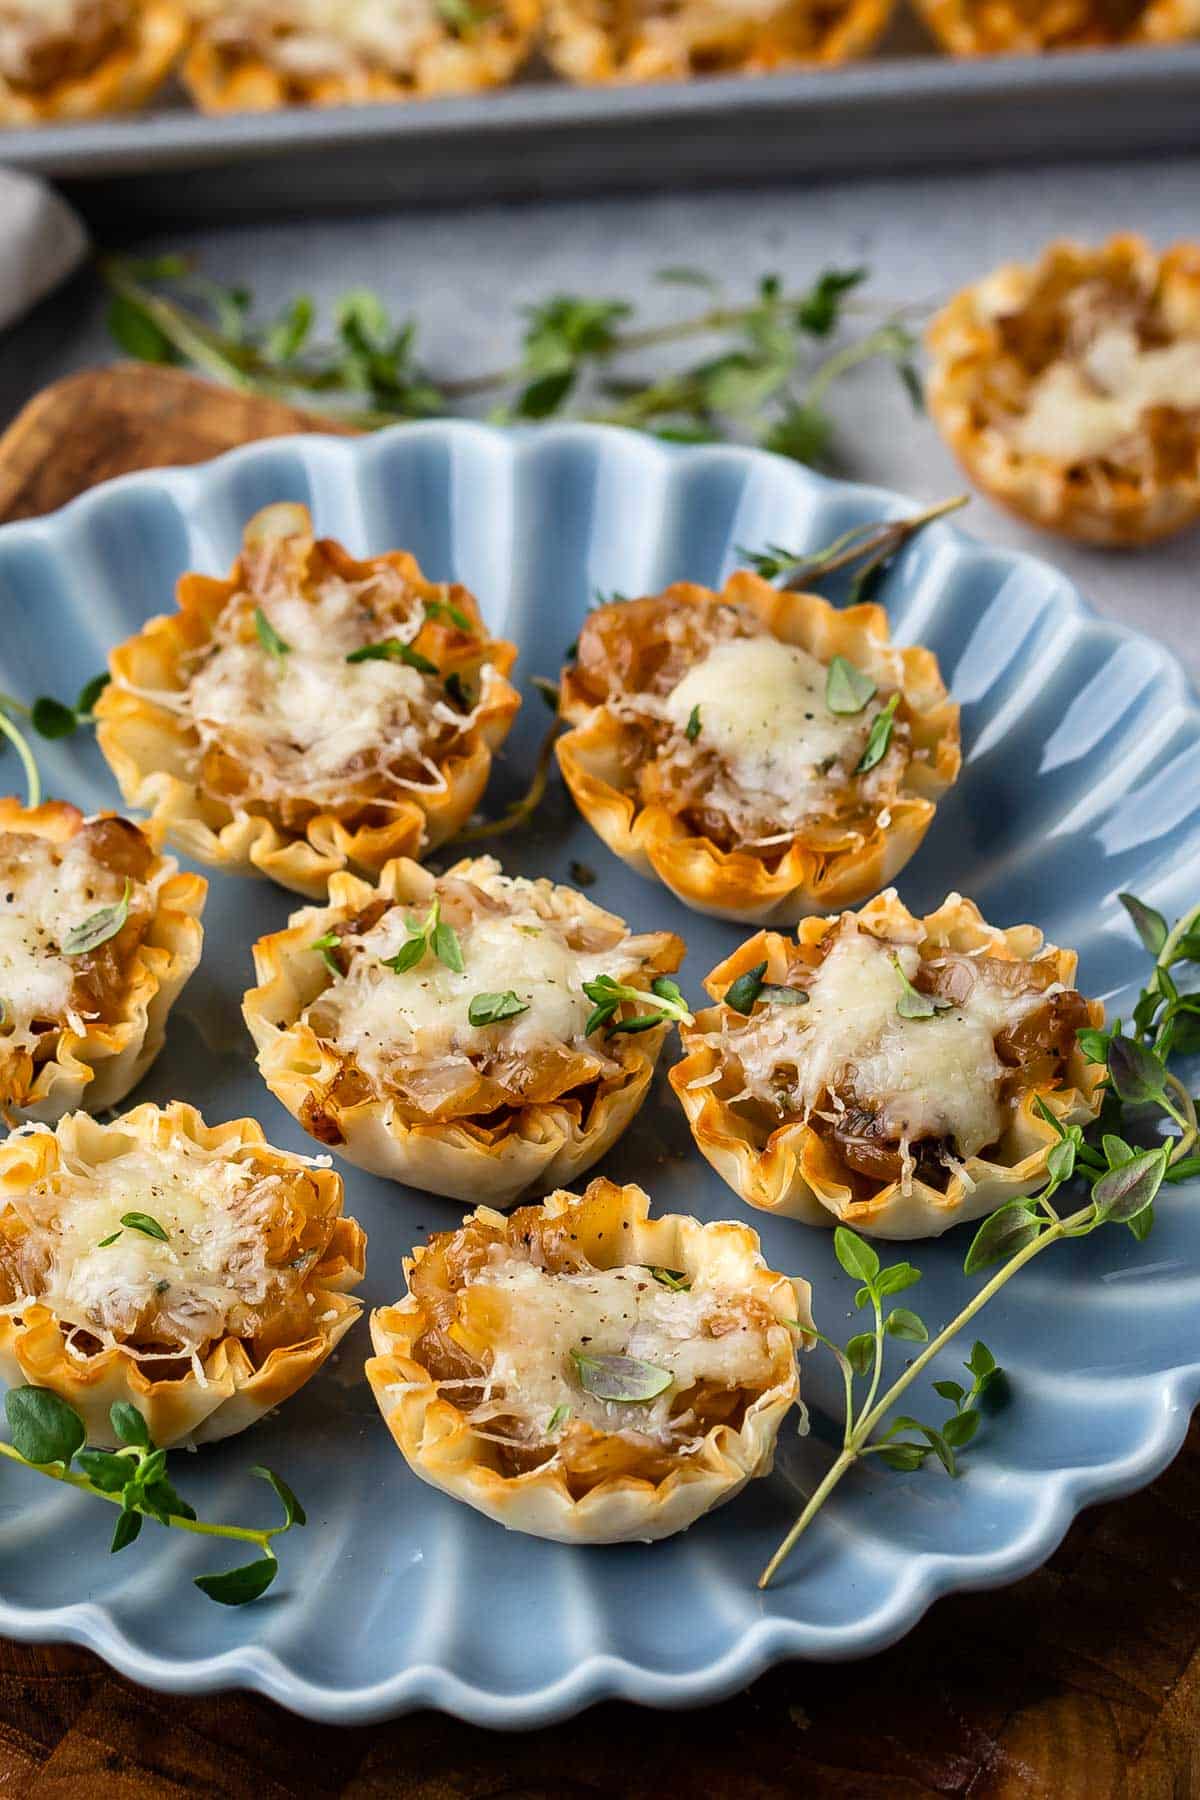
[
  {"x": 871, "y": 1415},
  {"x": 198, "y": 1527}
]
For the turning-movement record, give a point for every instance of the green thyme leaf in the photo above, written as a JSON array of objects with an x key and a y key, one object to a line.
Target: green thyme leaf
[
  {"x": 110, "y": 1239},
  {"x": 675, "y": 1279},
  {"x": 409, "y": 954},
  {"x": 90, "y": 692},
  {"x": 51, "y": 719},
  {"x": 125, "y": 1531},
  {"x": 624, "y": 1379},
  {"x": 558, "y": 1418},
  {"x": 43, "y": 1428},
  {"x": 268, "y": 637},
  {"x": 904, "y": 1458},
  {"x": 393, "y": 650},
  {"x": 691, "y": 730},
  {"x": 879, "y": 737},
  {"x": 913, "y": 1004},
  {"x": 100, "y": 927},
  {"x": 238, "y": 1586},
  {"x": 741, "y": 994},
  {"x": 855, "y": 1254},
  {"x": 325, "y": 945},
  {"x": 129, "y": 1427},
  {"x": 860, "y": 1352},
  {"x": 1150, "y": 925},
  {"x": 140, "y": 1221},
  {"x": 293, "y": 1512},
  {"x": 104, "y": 1469},
  {"x": 959, "y": 1430},
  {"x": 1009, "y": 1229},
  {"x": 847, "y": 689},
  {"x": 1136, "y": 1073},
  {"x": 447, "y": 948},
  {"x": 442, "y": 609},
  {"x": 493, "y": 1009},
  {"x": 904, "y": 1324},
  {"x": 1129, "y": 1189}
]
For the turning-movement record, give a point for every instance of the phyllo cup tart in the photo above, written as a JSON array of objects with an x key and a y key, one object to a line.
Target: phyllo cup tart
[
  {"x": 1005, "y": 27},
  {"x": 474, "y": 1034},
  {"x": 1069, "y": 389},
  {"x": 763, "y": 754},
  {"x": 311, "y": 713},
  {"x": 584, "y": 1372},
  {"x": 195, "y": 1271},
  {"x": 598, "y": 41},
  {"x": 77, "y": 59},
  {"x": 894, "y": 1074},
  {"x": 98, "y": 935},
  {"x": 258, "y": 55}
]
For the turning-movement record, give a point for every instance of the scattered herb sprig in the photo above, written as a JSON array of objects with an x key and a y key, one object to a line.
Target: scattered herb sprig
[
  {"x": 1122, "y": 1183},
  {"x": 869, "y": 549},
  {"x": 663, "y": 1004},
  {"x": 430, "y": 934},
  {"x": 50, "y": 719},
  {"x": 765, "y": 374},
  {"x": 49, "y": 1437}
]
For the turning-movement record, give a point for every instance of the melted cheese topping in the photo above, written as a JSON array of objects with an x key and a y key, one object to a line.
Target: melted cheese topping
[
  {"x": 383, "y": 1017},
  {"x": 935, "y": 1077},
  {"x": 612, "y": 1312},
  {"x": 309, "y": 722},
  {"x": 1079, "y": 410},
  {"x": 311, "y": 38},
  {"x": 44, "y": 891},
  {"x": 762, "y": 709},
  {"x": 215, "y": 1212}
]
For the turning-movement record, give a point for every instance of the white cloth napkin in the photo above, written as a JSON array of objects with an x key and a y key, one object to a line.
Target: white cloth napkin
[{"x": 41, "y": 242}]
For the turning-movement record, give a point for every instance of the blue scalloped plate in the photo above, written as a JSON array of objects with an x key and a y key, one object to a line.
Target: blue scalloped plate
[{"x": 1082, "y": 777}]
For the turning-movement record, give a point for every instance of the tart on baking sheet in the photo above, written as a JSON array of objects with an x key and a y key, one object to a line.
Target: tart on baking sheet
[
  {"x": 990, "y": 27},
  {"x": 310, "y": 713},
  {"x": 762, "y": 753},
  {"x": 439, "y": 1031},
  {"x": 193, "y": 1270},
  {"x": 98, "y": 936},
  {"x": 583, "y": 1372},
  {"x": 74, "y": 59},
  {"x": 1069, "y": 389},
  {"x": 660, "y": 40},
  {"x": 257, "y": 55},
  {"x": 888, "y": 1072}
]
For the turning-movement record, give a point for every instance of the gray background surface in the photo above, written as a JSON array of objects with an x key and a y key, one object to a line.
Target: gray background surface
[{"x": 464, "y": 274}]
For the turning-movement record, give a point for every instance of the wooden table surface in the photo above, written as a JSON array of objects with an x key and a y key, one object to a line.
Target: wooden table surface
[{"x": 1083, "y": 1680}]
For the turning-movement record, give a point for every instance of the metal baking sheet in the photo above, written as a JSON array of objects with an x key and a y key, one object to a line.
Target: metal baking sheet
[{"x": 541, "y": 139}]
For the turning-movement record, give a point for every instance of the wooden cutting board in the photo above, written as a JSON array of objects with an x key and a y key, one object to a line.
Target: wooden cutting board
[{"x": 1083, "y": 1680}]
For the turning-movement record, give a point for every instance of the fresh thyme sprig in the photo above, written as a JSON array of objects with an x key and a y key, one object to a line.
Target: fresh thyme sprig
[
  {"x": 49, "y": 1437},
  {"x": 518, "y": 813},
  {"x": 50, "y": 719},
  {"x": 1122, "y": 1183},
  {"x": 766, "y": 375},
  {"x": 873, "y": 547},
  {"x": 430, "y": 934},
  {"x": 663, "y": 1004}
]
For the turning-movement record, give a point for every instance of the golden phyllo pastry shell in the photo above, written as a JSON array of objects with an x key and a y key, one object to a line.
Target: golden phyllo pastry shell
[
  {"x": 793, "y": 1172},
  {"x": 97, "y": 1065},
  {"x": 238, "y": 1379},
  {"x": 598, "y": 758},
  {"x": 999, "y": 340},
  {"x": 999, "y": 27},
  {"x": 605, "y": 1227},
  {"x": 592, "y": 41},
  {"x": 126, "y": 73},
  {"x": 497, "y": 1156},
  {"x": 154, "y": 754},
  {"x": 224, "y": 74}
]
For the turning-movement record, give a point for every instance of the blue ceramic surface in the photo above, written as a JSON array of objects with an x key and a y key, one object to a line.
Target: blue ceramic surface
[{"x": 1082, "y": 777}]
